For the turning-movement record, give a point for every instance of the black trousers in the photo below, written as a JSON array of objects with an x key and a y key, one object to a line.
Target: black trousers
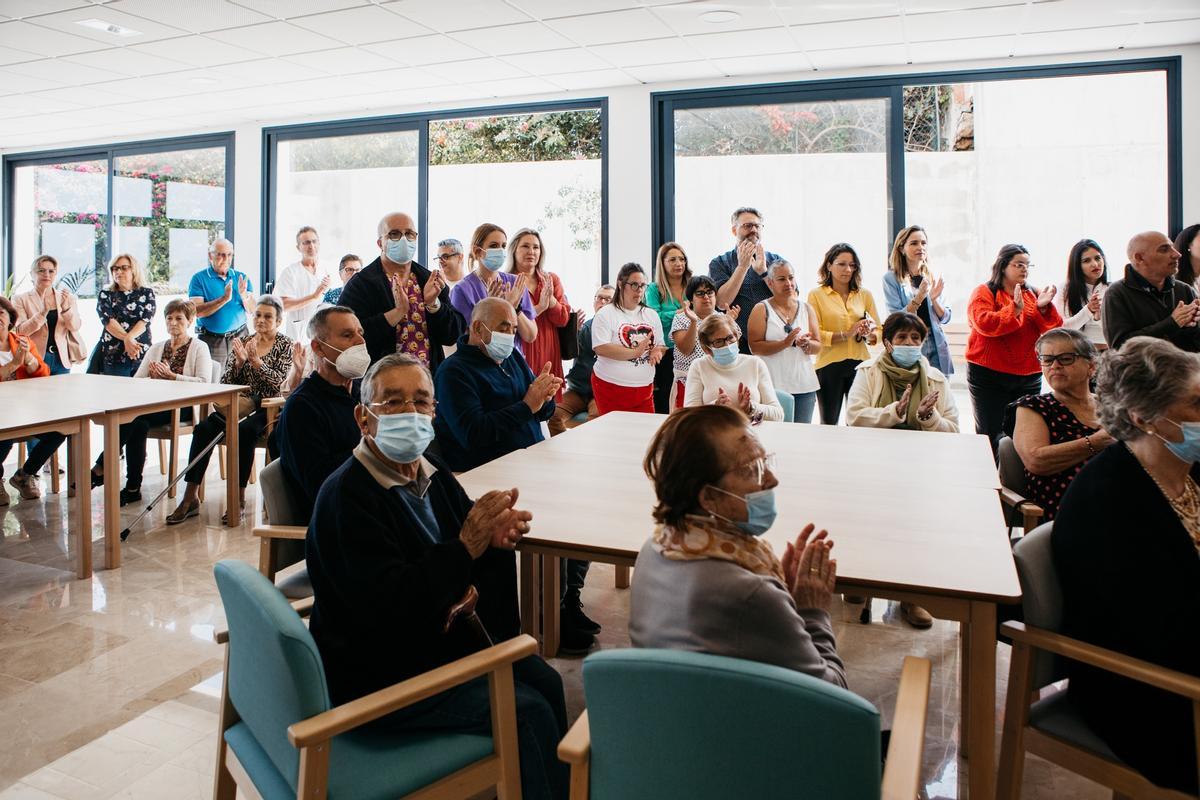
[
  {"x": 835, "y": 380},
  {"x": 664, "y": 381},
  {"x": 992, "y": 392},
  {"x": 39, "y": 453},
  {"x": 213, "y": 426}
]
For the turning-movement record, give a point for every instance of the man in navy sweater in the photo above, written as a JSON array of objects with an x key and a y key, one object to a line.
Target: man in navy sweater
[{"x": 490, "y": 402}]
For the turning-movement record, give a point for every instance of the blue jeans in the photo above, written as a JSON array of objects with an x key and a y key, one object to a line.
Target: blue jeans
[
  {"x": 541, "y": 722},
  {"x": 55, "y": 364},
  {"x": 805, "y": 403}
]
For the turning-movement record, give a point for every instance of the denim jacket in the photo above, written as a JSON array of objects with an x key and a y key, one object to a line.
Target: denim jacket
[{"x": 896, "y": 297}]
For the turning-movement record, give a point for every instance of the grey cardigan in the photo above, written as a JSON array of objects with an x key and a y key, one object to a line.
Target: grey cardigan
[{"x": 718, "y": 607}]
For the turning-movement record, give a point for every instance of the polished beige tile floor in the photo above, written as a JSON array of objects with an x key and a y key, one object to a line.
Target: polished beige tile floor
[{"x": 108, "y": 686}]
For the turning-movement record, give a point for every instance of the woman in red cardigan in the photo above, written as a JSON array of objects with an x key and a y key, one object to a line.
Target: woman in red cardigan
[
  {"x": 1006, "y": 317},
  {"x": 526, "y": 256}
]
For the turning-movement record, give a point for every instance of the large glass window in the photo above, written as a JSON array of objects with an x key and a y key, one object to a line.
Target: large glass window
[
  {"x": 1040, "y": 162},
  {"x": 817, "y": 171},
  {"x": 540, "y": 171},
  {"x": 341, "y": 185}
]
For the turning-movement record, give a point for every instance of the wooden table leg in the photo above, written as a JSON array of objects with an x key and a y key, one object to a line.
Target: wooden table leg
[
  {"x": 622, "y": 577},
  {"x": 112, "y": 492},
  {"x": 551, "y": 600},
  {"x": 530, "y": 598},
  {"x": 981, "y": 733},
  {"x": 81, "y": 459},
  {"x": 964, "y": 686},
  {"x": 233, "y": 511}
]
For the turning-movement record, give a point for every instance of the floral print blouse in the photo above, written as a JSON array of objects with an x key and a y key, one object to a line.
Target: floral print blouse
[
  {"x": 263, "y": 382},
  {"x": 127, "y": 308}
]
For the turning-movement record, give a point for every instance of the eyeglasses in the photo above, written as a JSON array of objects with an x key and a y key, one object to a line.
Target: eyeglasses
[
  {"x": 703, "y": 293},
  {"x": 398, "y": 404},
  {"x": 757, "y": 468},
  {"x": 750, "y": 226},
  {"x": 1022, "y": 266},
  {"x": 222, "y": 255},
  {"x": 1066, "y": 359},
  {"x": 307, "y": 242},
  {"x": 637, "y": 287},
  {"x": 395, "y": 236},
  {"x": 728, "y": 340},
  {"x": 121, "y": 268},
  {"x": 447, "y": 256}
]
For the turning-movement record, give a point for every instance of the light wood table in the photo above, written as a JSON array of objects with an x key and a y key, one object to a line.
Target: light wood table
[
  {"x": 109, "y": 401},
  {"x": 916, "y": 517}
]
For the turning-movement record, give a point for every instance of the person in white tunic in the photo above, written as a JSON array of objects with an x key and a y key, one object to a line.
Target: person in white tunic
[
  {"x": 1080, "y": 299},
  {"x": 729, "y": 378},
  {"x": 302, "y": 285},
  {"x": 784, "y": 334}
]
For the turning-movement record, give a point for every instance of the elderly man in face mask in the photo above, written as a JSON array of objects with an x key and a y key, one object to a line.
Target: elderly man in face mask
[{"x": 393, "y": 544}]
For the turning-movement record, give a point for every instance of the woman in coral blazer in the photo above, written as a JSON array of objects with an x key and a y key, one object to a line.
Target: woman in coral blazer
[{"x": 49, "y": 317}]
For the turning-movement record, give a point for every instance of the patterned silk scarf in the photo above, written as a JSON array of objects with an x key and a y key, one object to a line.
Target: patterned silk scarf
[{"x": 705, "y": 537}]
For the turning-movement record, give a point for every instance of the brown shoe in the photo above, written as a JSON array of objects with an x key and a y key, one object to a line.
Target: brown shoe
[
  {"x": 28, "y": 485},
  {"x": 183, "y": 512},
  {"x": 915, "y": 615}
]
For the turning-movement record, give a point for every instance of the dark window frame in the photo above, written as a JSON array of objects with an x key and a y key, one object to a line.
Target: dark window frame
[
  {"x": 111, "y": 152},
  {"x": 664, "y": 104},
  {"x": 418, "y": 121}
]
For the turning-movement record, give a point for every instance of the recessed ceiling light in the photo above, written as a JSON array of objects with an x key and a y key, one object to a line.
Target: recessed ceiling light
[
  {"x": 107, "y": 27},
  {"x": 720, "y": 17}
]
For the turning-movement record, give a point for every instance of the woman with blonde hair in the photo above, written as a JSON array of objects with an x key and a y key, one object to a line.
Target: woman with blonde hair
[
  {"x": 126, "y": 309},
  {"x": 486, "y": 256},
  {"x": 49, "y": 316},
  {"x": 910, "y": 287},
  {"x": 666, "y": 296},
  {"x": 526, "y": 256}
]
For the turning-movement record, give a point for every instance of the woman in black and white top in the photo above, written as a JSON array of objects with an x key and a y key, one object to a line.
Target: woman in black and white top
[
  {"x": 261, "y": 362},
  {"x": 783, "y": 332},
  {"x": 627, "y": 338},
  {"x": 1079, "y": 300}
]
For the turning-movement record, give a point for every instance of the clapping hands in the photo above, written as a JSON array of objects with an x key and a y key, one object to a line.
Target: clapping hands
[
  {"x": 808, "y": 571},
  {"x": 544, "y": 387},
  {"x": 494, "y": 521}
]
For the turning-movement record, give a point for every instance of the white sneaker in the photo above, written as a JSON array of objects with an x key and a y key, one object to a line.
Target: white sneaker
[{"x": 28, "y": 485}]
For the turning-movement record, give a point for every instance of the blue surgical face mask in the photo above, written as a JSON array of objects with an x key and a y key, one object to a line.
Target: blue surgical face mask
[
  {"x": 493, "y": 258},
  {"x": 760, "y": 510},
  {"x": 501, "y": 345},
  {"x": 725, "y": 356},
  {"x": 403, "y": 437},
  {"x": 401, "y": 251},
  {"x": 1189, "y": 449},
  {"x": 905, "y": 355}
]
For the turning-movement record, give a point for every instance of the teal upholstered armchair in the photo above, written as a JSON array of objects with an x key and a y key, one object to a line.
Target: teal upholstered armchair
[
  {"x": 280, "y": 738},
  {"x": 668, "y": 723}
]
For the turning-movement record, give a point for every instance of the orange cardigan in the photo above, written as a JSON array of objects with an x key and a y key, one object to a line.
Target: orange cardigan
[
  {"x": 41, "y": 372},
  {"x": 1001, "y": 340}
]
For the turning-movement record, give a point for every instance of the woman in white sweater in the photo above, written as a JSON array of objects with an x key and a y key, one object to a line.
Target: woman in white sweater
[
  {"x": 727, "y": 377},
  {"x": 179, "y": 358}
]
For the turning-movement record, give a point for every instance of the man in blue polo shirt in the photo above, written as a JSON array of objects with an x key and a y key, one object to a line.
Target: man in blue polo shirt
[
  {"x": 221, "y": 295},
  {"x": 740, "y": 274}
]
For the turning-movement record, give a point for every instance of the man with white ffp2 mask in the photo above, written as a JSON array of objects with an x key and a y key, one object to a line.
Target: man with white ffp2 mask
[{"x": 316, "y": 430}]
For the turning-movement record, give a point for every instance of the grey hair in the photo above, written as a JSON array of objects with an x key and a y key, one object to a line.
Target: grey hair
[
  {"x": 318, "y": 325},
  {"x": 744, "y": 210},
  {"x": 366, "y": 390},
  {"x": 1083, "y": 346},
  {"x": 212, "y": 248},
  {"x": 273, "y": 302},
  {"x": 486, "y": 307},
  {"x": 778, "y": 262},
  {"x": 1144, "y": 378},
  {"x": 608, "y": 286},
  {"x": 453, "y": 244}
]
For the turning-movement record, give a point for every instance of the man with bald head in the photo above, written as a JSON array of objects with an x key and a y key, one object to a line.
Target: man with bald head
[
  {"x": 221, "y": 295},
  {"x": 403, "y": 307},
  {"x": 1148, "y": 301}
]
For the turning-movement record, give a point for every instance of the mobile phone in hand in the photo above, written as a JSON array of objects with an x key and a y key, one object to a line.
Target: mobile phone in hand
[{"x": 917, "y": 280}]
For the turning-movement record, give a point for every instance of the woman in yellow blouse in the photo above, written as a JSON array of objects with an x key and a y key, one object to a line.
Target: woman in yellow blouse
[{"x": 848, "y": 320}]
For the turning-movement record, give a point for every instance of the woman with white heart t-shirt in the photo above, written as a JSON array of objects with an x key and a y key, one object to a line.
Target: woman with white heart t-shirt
[{"x": 627, "y": 338}]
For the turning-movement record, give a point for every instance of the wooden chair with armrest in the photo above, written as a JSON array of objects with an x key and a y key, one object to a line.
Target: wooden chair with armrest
[
  {"x": 280, "y": 737},
  {"x": 272, "y": 405},
  {"x": 1038, "y": 717},
  {"x": 1013, "y": 489},
  {"x": 671, "y": 723},
  {"x": 281, "y": 542}
]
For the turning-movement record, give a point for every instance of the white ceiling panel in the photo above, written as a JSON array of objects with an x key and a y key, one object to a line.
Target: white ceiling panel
[
  {"x": 844, "y": 35},
  {"x": 1029, "y": 44},
  {"x": 961, "y": 49},
  {"x": 931, "y": 6},
  {"x": 435, "y": 49},
  {"x": 194, "y": 16},
  {"x": 759, "y": 65},
  {"x": 595, "y": 79},
  {"x": 361, "y": 25},
  {"x": 805, "y": 12},
  {"x": 12, "y": 83},
  {"x": 480, "y": 69},
  {"x": 268, "y": 70},
  {"x": 1170, "y": 9},
  {"x": 331, "y": 88},
  {"x": 90, "y": 96},
  {"x": 275, "y": 39},
  {"x": 770, "y": 40},
  {"x": 383, "y": 102},
  {"x": 68, "y": 22},
  {"x": 688, "y": 18},
  {"x": 613, "y": 26},
  {"x": 197, "y": 51},
  {"x": 29, "y": 8},
  {"x": 653, "y": 73},
  {"x": 127, "y": 61},
  {"x": 342, "y": 61},
  {"x": 1156, "y": 34},
  {"x": 552, "y": 9},
  {"x": 22, "y": 105},
  {"x": 9, "y": 55},
  {"x": 285, "y": 9},
  {"x": 1065, "y": 14},
  {"x": 402, "y": 79},
  {"x": 44, "y": 41},
  {"x": 963, "y": 24},
  {"x": 175, "y": 85},
  {"x": 526, "y": 37},
  {"x": 513, "y": 87},
  {"x": 852, "y": 57},
  {"x": 63, "y": 71},
  {"x": 654, "y": 51},
  {"x": 553, "y": 62},
  {"x": 459, "y": 15}
]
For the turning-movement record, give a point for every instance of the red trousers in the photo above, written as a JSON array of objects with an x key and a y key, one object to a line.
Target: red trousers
[{"x": 612, "y": 397}]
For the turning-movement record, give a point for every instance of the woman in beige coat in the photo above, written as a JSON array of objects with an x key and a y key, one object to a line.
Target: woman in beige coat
[{"x": 50, "y": 318}]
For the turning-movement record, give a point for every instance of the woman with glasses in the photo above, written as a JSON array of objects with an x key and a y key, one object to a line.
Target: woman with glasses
[
  {"x": 126, "y": 309},
  {"x": 1006, "y": 316},
  {"x": 700, "y": 302},
  {"x": 706, "y": 580},
  {"x": 50, "y": 318},
  {"x": 667, "y": 296},
  {"x": 627, "y": 338},
  {"x": 784, "y": 333},
  {"x": 848, "y": 322},
  {"x": 729, "y": 378},
  {"x": 1056, "y": 432}
]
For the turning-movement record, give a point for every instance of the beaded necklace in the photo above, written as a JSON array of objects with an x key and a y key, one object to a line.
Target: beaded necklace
[{"x": 1186, "y": 505}]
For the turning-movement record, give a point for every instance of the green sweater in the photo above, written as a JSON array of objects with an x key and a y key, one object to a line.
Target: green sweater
[{"x": 666, "y": 308}]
